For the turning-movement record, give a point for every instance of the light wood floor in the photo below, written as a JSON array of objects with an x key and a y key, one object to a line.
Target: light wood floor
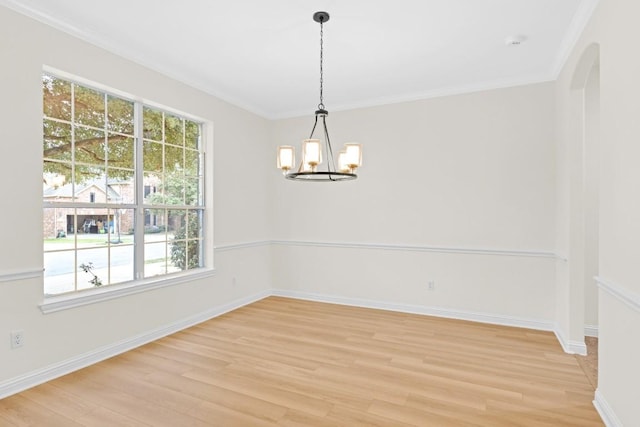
[{"x": 288, "y": 362}]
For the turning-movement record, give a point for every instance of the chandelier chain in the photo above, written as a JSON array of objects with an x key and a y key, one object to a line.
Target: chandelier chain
[{"x": 321, "y": 105}]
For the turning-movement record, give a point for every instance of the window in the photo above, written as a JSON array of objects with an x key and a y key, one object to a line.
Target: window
[{"x": 122, "y": 189}]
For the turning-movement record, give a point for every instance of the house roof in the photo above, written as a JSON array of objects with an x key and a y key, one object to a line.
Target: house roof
[{"x": 66, "y": 191}]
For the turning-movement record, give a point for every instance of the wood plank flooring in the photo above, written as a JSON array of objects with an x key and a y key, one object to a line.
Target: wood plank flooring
[{"x": 286, "y": 362}]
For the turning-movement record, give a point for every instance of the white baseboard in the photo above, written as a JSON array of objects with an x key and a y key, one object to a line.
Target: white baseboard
[
  {"x": 34, "y": 378},
  {"x": 591, "y": 331},
  {"x": 418, "y": 309},
  {"x": 571, "y": 347},
  {"x": 606, "y": 412}
]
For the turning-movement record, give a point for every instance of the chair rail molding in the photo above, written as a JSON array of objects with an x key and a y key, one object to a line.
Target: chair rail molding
[
  {"x": 21, "y": 275},
  {"x": 629, "y": 298},
  {"x": 419, "y": 248}
]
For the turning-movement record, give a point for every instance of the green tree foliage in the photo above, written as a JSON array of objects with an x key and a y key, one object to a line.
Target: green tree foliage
[
  {"x": 101, "y": 127},
  {"x": 179, "y": 189},
  {"x": 185, "y": 250}
]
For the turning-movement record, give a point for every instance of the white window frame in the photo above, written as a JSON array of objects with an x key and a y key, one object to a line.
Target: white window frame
[{"x": 79, "y": 298}]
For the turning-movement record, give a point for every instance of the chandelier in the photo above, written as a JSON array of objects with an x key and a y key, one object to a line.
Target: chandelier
[{"x": 310, "y": 169}]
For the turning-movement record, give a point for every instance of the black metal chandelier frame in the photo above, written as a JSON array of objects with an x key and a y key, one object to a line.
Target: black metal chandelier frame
[{"x": 330, "y": 174}]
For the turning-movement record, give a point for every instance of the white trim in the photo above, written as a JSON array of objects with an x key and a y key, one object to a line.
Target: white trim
[
  {"x": 560, "y": 257},
  {"x": 79, "y": 299},
  {"x": 591, "y": 331},
  {"x": 107, "y": 45},
  {"x": 578, "y": 23},
  {"x": 21, "y": 275},
  {"x": 415, "y": 248},
  {"x": 606, "y": 412},
  {"x": 577, "y": 26},
  {"x": 234, "y": 246},
  {"x": 49, "y": 373},
  {"x": 429, "y": 94},
  {"x": 495, "y": 319},
  {"x": 571, "y": 347},
  {"x": 620, "y": 293}
]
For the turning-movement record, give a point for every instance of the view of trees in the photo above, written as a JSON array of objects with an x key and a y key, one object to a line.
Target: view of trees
[
  {"x": 103, "y": 129},
  {"x": 89, "y": 136},
  {"x": 176, "y": 190}
]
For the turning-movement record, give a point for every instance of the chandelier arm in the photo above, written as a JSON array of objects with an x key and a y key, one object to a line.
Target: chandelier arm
[
  {"x": 313, "y": 129},
  {"x": 331, "y": 167}
]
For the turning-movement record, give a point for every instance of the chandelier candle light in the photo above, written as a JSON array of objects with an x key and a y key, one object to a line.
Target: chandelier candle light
[{"x": 349, "y": 159}]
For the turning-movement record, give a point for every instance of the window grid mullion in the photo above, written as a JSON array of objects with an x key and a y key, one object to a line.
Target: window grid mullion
[{"x": 138, "y": 130}]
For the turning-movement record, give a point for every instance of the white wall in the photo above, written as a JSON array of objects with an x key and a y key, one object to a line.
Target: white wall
[
  {"x": 469, "y": 172},
  {"x": 613, "y": 31},
  {"x": 240, "y": 203}
]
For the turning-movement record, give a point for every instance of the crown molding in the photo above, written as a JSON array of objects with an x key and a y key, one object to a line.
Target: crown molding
[
  {"x": 144, "y": 61},
  {"x": 429, "y": 94},
  {"x": 578, "y": 23},
  {"x": 577, "y": 26}
]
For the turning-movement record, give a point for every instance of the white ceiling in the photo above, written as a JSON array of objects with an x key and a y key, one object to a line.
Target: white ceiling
[{"x": 264, "y": 55}]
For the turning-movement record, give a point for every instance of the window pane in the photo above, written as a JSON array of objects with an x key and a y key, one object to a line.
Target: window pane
[
  {"x": 89, "y": 146},
  {"x": 192, "y": 135},
  {"x": 96, "y": 261},
  {"x": 57, "y": 224},
  {"x": 173, "y": 158},
  {"x": 89, "y": 107},
  {"x": 193, "y": 193},
  {"x": 120, "y": 151},
  {"x": 155, "y": 227},
  {"x": 89, "y": 180},
  {"x": 121, "y": 268},
  {"x": 192, "y": 163},
  {"x": 92, "y": 222},
  {"x": 56, "y": 98},
  {"x": 122, "y": 227},
  {"x": 173, "y": 130},
  {"x": 152, "y": 157},
  {"x": 59, "y": 271},
  {"x": 193, "y": 254},
  {"x": 155, "y": 259},
  {"x": 121, "y": 186},
  {"x": 152, "y": 124},
  {"x": 184, "y": 248},
  {"x": 173, "y": 188},
  {"x": 152, "y": 190},
  {"x": 57, "y": 140},
  {"x": 53, "y": 182},
  {"x": 119, "y": 115}
]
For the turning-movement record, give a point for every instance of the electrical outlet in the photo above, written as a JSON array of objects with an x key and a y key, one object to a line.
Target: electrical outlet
[
  {"x": 17, "y": 339},
  {"x": 431, "y": 285}
]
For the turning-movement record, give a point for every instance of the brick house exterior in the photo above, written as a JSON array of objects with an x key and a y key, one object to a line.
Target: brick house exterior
[{"x": 64, "y": 220}]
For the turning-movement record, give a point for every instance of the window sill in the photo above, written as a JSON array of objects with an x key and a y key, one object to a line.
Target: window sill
[{"x": 92, "y": 296}]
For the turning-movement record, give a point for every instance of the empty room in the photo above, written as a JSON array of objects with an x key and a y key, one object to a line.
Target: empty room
[{"x": 327, "y": 213}]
